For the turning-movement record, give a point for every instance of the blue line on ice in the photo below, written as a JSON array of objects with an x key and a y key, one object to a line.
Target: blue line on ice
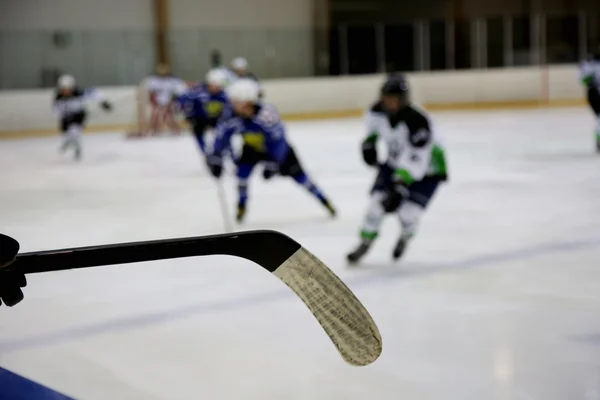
[{"x": 379, "y": 277}]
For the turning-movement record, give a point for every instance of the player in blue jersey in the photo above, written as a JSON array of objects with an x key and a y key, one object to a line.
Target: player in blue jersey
[
  {"x": 264, "y": 140},
  {"x": 205, "y": 105}
]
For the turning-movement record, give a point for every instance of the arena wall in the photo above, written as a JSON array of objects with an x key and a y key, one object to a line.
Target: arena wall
[
  {"x": 258, "y": 14},
  {"x": 28, "y": 112},
  {"x": 39, "y": 15}
]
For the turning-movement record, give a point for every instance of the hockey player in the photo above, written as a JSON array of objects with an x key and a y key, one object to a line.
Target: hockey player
[
  {"x": 70, "y": 103},
  {"x": 590, "y": 77},
  {"x": 239, "y": 67},
  {"x": 206, "y": 104},
  {"x": 163, "y": 88},
  {"x": 264, "y": 140},
  {"x": 415, "y": 165},
  {"x": 239, "y": 70}
]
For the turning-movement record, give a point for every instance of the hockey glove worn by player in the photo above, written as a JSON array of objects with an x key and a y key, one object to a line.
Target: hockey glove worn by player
[
  {"x": 396, "y": 193},
  {"x": 215, "y": 164},
  {"x": 11, "y": 283},
  {"x": 106, "y": 106},
  {"x": 271, "y": 169},
  {"x": 369, "y": 150},
  {"x": 11, "y": 280}
]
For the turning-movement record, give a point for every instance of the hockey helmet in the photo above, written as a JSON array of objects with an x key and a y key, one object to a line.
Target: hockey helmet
[
  {"x": 239, "y": 63},
  {"x": 66, "y": 82},
  {"x": 244, "y": 90},
  {"x": 217, "y": 77},
  {"x": 395, "y": 85}
]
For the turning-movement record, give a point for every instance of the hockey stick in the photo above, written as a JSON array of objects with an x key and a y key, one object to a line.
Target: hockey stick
[
  {"x": 336, "y": 308},
  {"x": 223, "y": 206}
]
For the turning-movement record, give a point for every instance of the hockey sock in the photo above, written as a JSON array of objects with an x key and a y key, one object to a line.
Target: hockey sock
[
  {"x": 373, "y": 219},
  {"x": 201, "y": 143},
  {"x": 242, "y": 193},
  {"x": 303, "y": 180},
  {"x": 66, "y": 142},
  {"x": 73, "y": 137},
  {"x": 410, "y": 215}
]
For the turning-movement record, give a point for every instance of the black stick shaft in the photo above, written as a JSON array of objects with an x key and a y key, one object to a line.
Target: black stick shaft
[{"x": 252, "y": 245}]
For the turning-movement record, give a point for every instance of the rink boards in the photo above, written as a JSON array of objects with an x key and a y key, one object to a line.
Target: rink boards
[{"x": 28, "y": 113}]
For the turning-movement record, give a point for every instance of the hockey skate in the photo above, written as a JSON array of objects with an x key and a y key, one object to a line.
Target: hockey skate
[
  {"x": 400, "y": 247},
  {"x": 329, "y": 207},
  {"x": 241, "y": 213},
  {"x": 359, "y": 252}
]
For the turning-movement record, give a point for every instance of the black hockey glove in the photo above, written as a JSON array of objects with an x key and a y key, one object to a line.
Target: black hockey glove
[
  {"x": 11, "y": 283},
  {"x": 271, "y": 169},
  {"x": 106, "y": 106},
  {"x": 369, "y": 152},
  {"x": 396, "y": 193},
  {"x": 215, "y": 164}
]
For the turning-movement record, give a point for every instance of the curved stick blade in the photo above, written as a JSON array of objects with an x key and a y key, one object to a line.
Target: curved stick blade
[
  {"x": 9, "y": 248},
  {"x": 340, "y": 313}
]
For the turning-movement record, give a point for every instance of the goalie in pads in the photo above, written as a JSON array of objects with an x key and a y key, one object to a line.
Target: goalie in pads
[
  {"x": 163, "y": 88},
  {"x": 415, "y": 165}
]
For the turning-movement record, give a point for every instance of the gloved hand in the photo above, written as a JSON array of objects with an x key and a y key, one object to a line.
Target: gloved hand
[
  {"x": 215, "y": 164},
  {"x": 396, "y": 193},
  {"x": 11, "y": 283},
  {"x": 271, "y": 169},
  {"x": 369, "y": 152},
  {"x": 106, "y": 106}
]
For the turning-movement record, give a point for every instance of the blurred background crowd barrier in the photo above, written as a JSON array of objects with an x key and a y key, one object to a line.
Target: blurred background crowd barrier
[{"x": 113, "y": 43}]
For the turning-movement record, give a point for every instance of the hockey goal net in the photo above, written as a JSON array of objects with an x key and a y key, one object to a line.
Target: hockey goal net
[{"x": 150, "y": 119}]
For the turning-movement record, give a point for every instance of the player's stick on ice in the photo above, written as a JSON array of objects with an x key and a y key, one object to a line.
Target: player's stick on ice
[
  {"x": 223, "y": 206},
  {"x": 340, "y": 313}
]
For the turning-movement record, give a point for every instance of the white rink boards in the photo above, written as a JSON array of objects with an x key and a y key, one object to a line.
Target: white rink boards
[{"x": 498, "y": 297}]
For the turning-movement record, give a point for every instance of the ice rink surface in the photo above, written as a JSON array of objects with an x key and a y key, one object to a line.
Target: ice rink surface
[{"x": 497, "y": 298}]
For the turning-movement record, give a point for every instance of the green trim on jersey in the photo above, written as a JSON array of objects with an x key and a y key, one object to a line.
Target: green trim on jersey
[
  {"x": 587, "y": 80},
  {"x": 373, "y": 136},
  {"x": 438, "y": 161},
  {"x": 404, "y": 175},
  {"x": 366, "y": 235}
]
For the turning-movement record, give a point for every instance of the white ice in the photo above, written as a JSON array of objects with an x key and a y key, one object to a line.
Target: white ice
[{"x": 497, "y": 298}]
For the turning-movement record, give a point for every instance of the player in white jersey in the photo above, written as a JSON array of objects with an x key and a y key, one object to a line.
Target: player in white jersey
[
  {"x": 590, "y": 77},
  {"x": 163, "y": 88},
  {"x": 414, "y": 168},
  {"x": 239, "y": 70},
  {"x": 70, "y": 105}
]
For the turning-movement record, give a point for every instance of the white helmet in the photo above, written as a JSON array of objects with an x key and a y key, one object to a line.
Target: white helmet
[
  {"x": 217, "y": 77},
  {"x": 66, "y": 82},
  {"x": 240, "y": 63},
  {"x": 244, "y": 90}
]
